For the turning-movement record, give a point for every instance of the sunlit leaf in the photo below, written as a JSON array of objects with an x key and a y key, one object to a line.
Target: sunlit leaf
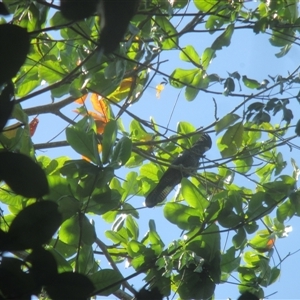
[
  {"x": 169, "y": 37},
  {"x": 250, "y": 83},
  {"x": 225, "y": 122},
  {"x": 224, "y": 39}
]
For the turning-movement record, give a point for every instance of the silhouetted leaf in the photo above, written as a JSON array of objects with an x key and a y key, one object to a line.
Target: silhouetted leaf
[
  {"x": 78, "y": 9},
  {"x": 229, "y": 86},
  {"x": 3, "y": 10},
  {"x": 14, "y": 282},
  {"x": 23, "y": 175},
  {"x": 43, "y": 266},
  {"x": 144, "y": 294},
  {"x": 33, "y": 226},
  {"x": 6, "y": 105},
  {"x": 297, "y": 130},
  {"x": 70, "y": 285},
  {"x": 13, "y": 54}
]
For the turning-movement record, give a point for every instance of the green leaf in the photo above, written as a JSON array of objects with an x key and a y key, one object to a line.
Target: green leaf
[
  {"x": 224, "y": 39},
  {"x": 168, "y": 30},
  {"x": 207, "y": 57},
  {"x": 225, "y": 122},
  {"x": 32, "y": 227},
  {"x": 275, "y": 273},
  {"x": 229, "y": 261},
  {"x": 84, "y": 143},
  {"x": 23, "y": 175},
  {"x": 183, "y": 216},
  {"x": 108, "y": 141},
  {"x": 232, "y": 140},
  {"x": 130, "y": 185},
  {"x": 181, "y": 77},
  {"x": 193, "y": 196},
  {"x": 132, "y": 227},
  {"x": 284, "y": 211},
  {"x": 189, "y": 54},
  {"x": 51, "y": 71},
  {"x": 104, "y": 280},
  {"x": 250, "y": 83},
  {"x": 68, "y": 206},
  {"x": 121, "y": 152},
  {"x": 206, "y": 5},
  {"x": 239, "y": 239},
  {"x": 200, "y": 81},
  {"x": 85, "y": 261},
  {"x": 263, "y": 241},
  {"x": 77, "y": 229}
]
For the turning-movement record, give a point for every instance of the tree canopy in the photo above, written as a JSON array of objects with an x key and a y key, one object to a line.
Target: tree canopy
[{"x": 229, "y": 213}]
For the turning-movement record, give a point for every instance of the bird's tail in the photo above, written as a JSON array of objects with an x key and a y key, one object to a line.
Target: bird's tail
[{"x": 158, "y": 194}]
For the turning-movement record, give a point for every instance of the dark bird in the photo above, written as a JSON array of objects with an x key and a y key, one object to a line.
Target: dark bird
[{"x": 189, "y": 160}]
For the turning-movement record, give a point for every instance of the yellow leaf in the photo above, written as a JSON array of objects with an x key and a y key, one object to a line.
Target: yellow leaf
[
  {"x": 159, "y": 88},
  {"x": 11, "y": 131},
  {"x": 122, "y": 91}
]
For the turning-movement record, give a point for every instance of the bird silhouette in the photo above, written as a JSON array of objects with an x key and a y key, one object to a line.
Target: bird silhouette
[{"x": 189, "y": 160}]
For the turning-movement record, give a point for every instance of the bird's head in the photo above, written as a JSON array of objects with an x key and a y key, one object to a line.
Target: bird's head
[{"x": 202, "y": 145}]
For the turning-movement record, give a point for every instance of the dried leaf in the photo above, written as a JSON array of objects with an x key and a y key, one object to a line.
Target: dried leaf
[{"x": 33, "y": 125}]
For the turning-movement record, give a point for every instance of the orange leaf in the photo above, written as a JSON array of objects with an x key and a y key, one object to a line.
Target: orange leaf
[
  {"x": 270, "y": 243},
  {"x": 82, "y": 99},
  {"x": 33, "y": 125},
  {"x": 100, "y": 126},
  {"x": 99, "y": 120},
  {"x": 100, "y": 105},
  {"x": 126, "y": 84}
]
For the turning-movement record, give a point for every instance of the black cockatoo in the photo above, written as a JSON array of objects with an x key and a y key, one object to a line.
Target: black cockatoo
[{"x": 189, "y": 160}]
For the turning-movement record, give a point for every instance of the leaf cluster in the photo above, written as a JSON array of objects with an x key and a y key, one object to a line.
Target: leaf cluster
[{"x": 51, "y": 201}]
